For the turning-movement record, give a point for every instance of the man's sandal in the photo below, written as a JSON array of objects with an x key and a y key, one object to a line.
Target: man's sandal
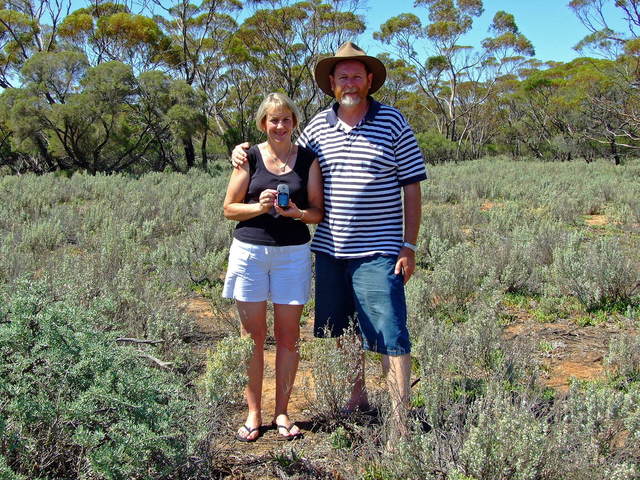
[
  {"x": 365, "y": 409},
  {"x": 249, "y": 430}
]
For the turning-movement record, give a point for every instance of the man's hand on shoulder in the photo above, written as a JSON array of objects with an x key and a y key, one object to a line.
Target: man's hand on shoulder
[{"x": 239, "y": 154}]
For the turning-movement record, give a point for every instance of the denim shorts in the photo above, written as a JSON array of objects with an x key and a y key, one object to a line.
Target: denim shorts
[
  {"x": 258, "y": 272},
  {"x": 367, "y": 290}
]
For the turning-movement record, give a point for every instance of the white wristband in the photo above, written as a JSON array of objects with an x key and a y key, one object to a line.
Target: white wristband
[{"x": 410, "y": 246}]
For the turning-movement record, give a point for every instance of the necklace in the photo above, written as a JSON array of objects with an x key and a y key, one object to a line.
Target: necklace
[{"x": 283, "y": 167}]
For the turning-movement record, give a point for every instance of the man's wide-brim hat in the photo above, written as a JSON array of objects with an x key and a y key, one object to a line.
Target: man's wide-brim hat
[{"x": 349, "y": 51}]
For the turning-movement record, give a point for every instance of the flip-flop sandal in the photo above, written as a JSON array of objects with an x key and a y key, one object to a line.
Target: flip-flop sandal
[
  {"x": 288, "y": 429},
  {"x": 249, "y": 430},
  {"x": 361, "y": 409}
]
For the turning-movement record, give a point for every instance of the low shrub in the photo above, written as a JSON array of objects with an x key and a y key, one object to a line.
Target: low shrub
[
  {"x": 597, "y": 430},
  {"x": 457, "y": 277},
  {"x": 436, "y": 147},
  {"x": 505, "y": 440},
  {"x": 75, "y": 405},
  {"x": 225, "y": 374},
  {"x": 334, "y": 367},
  {"x": 623, "y": 358},
  {"x": 599, "y": 273}
]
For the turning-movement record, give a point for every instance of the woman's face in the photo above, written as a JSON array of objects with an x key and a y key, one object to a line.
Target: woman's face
[{"x": 278, "y": 124}]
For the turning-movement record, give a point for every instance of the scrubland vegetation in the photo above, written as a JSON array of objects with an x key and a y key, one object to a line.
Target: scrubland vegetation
[{"x": 103, "y": 374}]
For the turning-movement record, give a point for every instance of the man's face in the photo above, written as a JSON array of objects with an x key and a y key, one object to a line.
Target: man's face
[{"x": 350, "y": 82}]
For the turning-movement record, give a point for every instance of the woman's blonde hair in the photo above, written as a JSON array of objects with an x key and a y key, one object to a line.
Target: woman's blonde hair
[{"x": 275, "y": 100}]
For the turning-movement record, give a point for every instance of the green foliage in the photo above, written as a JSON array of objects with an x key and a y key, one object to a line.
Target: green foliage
[
  {"x": 56, "y": 73},
  {"x": 504, "y": 440},
  {"x": 435, "y": 147},
  {"x": 623, "y": 358},
  {"x": 225, "y": 377},
  {"x": 598, "y": 274},
  {"x": 333, "y": 369},
  {"x": 88, "y": 406},
  {"x": 132, "y": 29},
  {"x": 340, "y": 438}
]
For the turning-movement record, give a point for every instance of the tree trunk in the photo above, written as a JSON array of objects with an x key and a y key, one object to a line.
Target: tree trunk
[
  {"x": 189, "y": 152},
  {"x": 614, "y": 151},
  {"x": 42, "y": 148},
  {"x": 203, "y": 150}
]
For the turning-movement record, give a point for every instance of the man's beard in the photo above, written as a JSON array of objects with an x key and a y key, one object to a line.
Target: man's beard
[{"x": 349, "y": 100}]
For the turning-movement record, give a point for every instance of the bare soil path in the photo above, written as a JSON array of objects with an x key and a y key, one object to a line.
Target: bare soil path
[{"x": 209, "y": 325}]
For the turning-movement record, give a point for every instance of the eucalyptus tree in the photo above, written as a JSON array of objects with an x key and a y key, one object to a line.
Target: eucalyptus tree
[
  {"x": 548, "y": 109},
  {"x": 614, "y": 34},
  {"x": 49, "y": 78},
  {"x": 108, "y": 31},
  {"x": 457, "y": 78},
  {"x": 90, "y": 129},
  {"x": 242, "y": 79},
  {"x": 603, "y": 37},
  {"x": 183, "y": 41},
  {"x": 168, "y": 110},
  {"x": 399, "y": 84},
  {"x": 27, "y": 27},
  {"x": 275, "y": 49},
  {"x": 46, "y": 49},
  {"x": 199, "y": 33},
  {"x": 287, "y": 40}
]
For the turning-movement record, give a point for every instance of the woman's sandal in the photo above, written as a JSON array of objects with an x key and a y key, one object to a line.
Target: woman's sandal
[
  {"x": 249, "y": 430},
  {"x": 289, "y": 436}
]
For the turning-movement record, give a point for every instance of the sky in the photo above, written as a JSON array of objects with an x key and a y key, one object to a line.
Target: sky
[{"x": 550, "y": 25}]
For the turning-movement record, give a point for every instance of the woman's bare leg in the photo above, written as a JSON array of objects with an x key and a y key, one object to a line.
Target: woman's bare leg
[
  {"x": 253, "y": 318},
  {"x": 287, "y": 332}
]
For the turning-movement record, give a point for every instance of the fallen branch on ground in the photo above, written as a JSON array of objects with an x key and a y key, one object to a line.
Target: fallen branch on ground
[
  {"x": 156, "y": 361},
  {"x": 138, "y": 340}
]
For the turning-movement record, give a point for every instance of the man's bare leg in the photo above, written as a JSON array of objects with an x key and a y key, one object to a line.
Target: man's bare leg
[
  {"x": 359, "y": 399},
  {"x": 398, "y": 370}
]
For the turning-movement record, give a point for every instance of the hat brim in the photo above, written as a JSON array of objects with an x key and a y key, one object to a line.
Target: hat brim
[{"x": 325, "y": 66}]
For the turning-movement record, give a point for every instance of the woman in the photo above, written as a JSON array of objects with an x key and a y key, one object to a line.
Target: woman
[{"x": 269, "y": 257}]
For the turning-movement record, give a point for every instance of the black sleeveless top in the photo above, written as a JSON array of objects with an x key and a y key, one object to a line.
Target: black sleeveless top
[{"x": 270, "y": 228}]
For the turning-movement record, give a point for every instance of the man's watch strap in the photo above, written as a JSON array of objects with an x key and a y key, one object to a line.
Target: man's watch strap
[{"x": 410, "y": 246}]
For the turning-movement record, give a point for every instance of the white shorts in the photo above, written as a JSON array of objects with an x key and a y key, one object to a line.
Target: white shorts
[{"x": 258, "y": 272}]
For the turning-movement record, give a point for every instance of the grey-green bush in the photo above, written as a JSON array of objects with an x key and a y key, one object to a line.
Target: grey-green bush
[
  {"x": 597, "y": 273},
  {"x": 76, "y": 405}
]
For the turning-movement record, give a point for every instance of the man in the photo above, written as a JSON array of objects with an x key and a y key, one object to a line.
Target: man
[{"x": 365, "y": 245}]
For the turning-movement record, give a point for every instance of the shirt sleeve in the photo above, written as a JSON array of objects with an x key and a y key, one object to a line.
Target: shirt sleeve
[
  {"x": 305, "y": 140},
  {"x": 411, "y": 168}
]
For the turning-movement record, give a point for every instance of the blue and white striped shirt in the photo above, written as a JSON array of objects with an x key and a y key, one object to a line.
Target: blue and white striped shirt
[{"x": 363, "y": 171}]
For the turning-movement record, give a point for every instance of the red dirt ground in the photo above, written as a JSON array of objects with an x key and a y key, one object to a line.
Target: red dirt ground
[{"x": 570, "y": 352}]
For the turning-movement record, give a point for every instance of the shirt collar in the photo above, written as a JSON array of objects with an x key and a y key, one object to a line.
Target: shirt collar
[{"x": 374, "y": 106}]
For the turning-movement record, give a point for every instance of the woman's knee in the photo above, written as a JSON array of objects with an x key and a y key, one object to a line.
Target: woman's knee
[
  {"x": 288, "y": 339},
  {"x": 257, "y": 333},
  {"x": 258, "y": 337}
]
